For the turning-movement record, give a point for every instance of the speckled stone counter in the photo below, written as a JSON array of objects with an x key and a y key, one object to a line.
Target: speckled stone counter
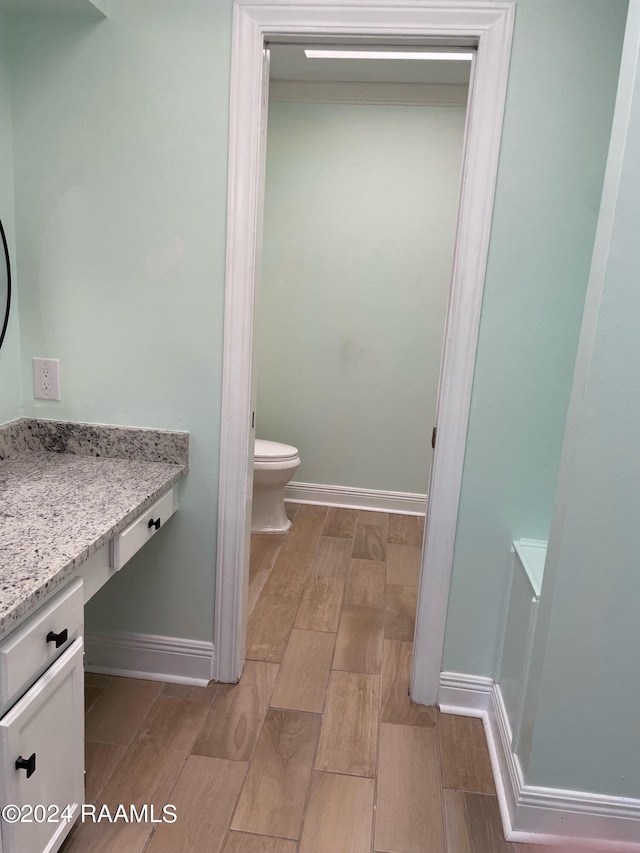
[
  {"x": 98, "y": 440},
  {"x": 60, "y": 504}
]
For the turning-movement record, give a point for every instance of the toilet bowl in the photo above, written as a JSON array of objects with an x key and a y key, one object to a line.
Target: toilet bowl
[{"x": 274, "y": 465}]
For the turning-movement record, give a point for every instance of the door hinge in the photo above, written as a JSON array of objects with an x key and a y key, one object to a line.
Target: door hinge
[
  {"x": 253, "y": 420},
  {"x": 433, "y": 437}
]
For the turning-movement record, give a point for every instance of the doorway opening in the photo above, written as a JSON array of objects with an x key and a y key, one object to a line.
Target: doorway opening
[
  {"x": 364, "y": 154},
  {"x": 488, "y": 31},
  {"x": 362, "y": 185}
]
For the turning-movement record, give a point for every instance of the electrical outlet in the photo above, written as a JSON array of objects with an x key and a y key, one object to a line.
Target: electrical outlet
[{"x": 46, "y": 378}]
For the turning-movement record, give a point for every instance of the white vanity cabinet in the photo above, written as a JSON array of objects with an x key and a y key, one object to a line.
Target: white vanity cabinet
[
  {"x": 101, "y": 567},
  {"x": 42, "y": 697},
  {"x": 130, "y": 540},
  {"x": 42, "y": 733}
]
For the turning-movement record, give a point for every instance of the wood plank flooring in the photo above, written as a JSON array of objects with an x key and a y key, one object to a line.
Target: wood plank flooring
[
  {"x": 350, "y": 725},
  {"x": 409, "y": 813},
  {"x": 273, "y": 797},
  {"x": 318, "y": 748}
]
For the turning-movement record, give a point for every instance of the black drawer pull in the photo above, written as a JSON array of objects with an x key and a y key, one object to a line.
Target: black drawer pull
[
  {"x": 59, "y": 639},
  {"x": 153, "y": 523},
  {"x": 28, "y": 764}
]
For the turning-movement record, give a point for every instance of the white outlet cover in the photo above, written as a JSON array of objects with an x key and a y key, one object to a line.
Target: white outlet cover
[{"x": 46, "y": 378}]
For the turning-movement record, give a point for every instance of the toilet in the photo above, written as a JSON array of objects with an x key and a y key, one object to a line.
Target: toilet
[{"x": 274, "y": 465}]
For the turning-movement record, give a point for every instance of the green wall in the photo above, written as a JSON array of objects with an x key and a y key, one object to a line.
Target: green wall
[
  {"x": 120, "y": 169},
  {"x": 120, "y": 141},
  {"x": 560, "y": 100},
  {"x": 10, "y": 370},
  {"x": 586, "y": 693},
  {"x": 360, "y": 214}
]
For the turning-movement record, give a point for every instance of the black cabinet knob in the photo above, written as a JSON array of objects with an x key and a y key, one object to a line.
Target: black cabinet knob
[
  {"x": 28, "y": 764},
  {"x": 153, "y": 523},
  {"x": 58, "y": 639}
]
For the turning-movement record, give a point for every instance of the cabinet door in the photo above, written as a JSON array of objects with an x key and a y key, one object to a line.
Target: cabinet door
[{"x": 47, "y": 721}]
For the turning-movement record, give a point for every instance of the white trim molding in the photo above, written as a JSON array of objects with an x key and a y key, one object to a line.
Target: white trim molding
[
  {"x": 563, "y": 820},
  {"x": 149, "y": 656},
  {"x": 401, "y": 503},
  {"x": 394, "y": 94},
  {"x": 486, "y": 25},
  {"x": 465, "y": 695}
]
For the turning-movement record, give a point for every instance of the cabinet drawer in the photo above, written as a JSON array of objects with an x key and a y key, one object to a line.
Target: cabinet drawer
[
  {"x": 47, "y": 722},
  {"x": 26, "y": 650},
  {"x": 132, "y": 538}
]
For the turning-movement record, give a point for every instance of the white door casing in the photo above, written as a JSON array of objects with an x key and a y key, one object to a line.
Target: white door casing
[
  {"x": 490, "y": 27},
  {"x": 247, "y": 152}
]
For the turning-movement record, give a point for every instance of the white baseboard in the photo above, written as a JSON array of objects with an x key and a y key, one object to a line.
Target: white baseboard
[
  {"x": 402, "y": 503},
  {"x": 466, "y": 695},
  {"x": 562, "y": 820},
  {"x": 149, "y": 656}
]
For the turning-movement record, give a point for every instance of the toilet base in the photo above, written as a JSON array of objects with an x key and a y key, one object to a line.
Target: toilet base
[{"x": 268, "y": 513}]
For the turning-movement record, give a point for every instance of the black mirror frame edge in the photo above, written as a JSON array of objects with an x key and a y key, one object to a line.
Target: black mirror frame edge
[{"x": 5, "y": 322}]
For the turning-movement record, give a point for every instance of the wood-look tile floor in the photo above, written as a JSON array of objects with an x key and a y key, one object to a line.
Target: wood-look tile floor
[{"x": 318, "y": 748}]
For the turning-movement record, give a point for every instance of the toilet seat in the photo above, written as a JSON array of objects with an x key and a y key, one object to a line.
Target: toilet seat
[{"x": 273, "y": 451}]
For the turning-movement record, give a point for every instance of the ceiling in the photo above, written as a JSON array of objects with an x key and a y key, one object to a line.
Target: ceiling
[{"x": 288, "y": 62}]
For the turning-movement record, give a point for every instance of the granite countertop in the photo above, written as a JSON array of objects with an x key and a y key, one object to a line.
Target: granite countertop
[{"x": 65, "y": 490}]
